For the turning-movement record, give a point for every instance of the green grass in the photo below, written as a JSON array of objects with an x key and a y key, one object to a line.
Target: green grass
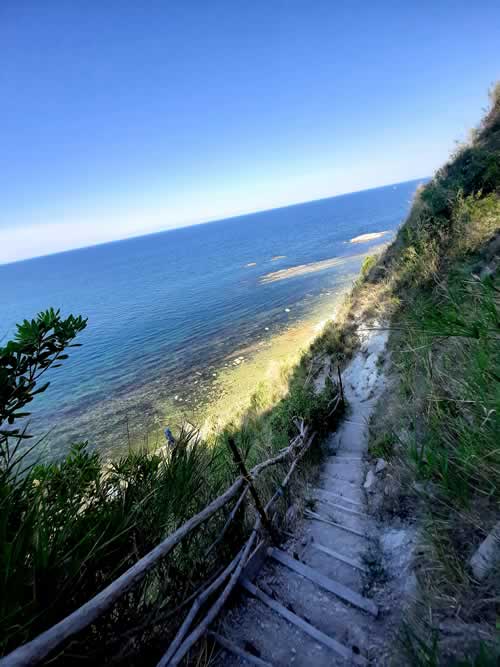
[
  {"x": 457, "y": 328},
  {"x": 68, "y": 528},
  {"x": 382, "y": 445},
  {"x": 442, "y": 279},
  {"x": 428, "y": 653}
]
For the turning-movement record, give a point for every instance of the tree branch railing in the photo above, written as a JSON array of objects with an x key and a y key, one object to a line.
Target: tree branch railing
[
  {"x": 35, "y": 651},
  {"x": 182, "y": 644}
]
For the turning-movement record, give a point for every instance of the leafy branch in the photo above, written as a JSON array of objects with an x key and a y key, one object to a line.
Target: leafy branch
[{"x": 38, "y": 345}]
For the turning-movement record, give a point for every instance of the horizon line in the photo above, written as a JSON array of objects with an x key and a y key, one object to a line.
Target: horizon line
[{"x": 208, "y": 221}]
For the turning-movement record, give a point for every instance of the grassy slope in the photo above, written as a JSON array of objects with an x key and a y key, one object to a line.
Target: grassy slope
[{"x": 439, "y": 282}]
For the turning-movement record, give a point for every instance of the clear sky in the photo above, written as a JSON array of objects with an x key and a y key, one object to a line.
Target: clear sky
[{"x": 119, "y": 118}]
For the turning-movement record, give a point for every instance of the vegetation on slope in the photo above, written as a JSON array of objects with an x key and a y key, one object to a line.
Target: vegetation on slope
[
  {"x": 70, "y": 527},
  {"x": 440, "y": 283}
]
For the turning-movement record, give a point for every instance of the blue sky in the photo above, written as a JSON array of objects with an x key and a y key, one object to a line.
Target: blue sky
[{"x": 121, "y": 118}]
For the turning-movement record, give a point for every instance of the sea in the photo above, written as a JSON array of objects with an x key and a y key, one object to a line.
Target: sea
[{"x": 171, "y": 314}]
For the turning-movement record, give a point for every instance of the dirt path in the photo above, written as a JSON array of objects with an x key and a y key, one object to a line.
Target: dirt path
[{"x": 308, "y": 605}]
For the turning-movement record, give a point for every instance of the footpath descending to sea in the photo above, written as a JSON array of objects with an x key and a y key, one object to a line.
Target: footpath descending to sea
[
  {"x": 395, "y": 554},
  {"x": 307, "y": 606}
]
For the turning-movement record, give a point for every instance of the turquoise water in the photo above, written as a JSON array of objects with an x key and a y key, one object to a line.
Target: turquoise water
[{"x": 166, "y": 308}]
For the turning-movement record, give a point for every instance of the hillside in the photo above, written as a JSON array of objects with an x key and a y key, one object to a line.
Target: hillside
[
  {"x": 418, "y": 341},
  {"x": 438, "y": 422}
]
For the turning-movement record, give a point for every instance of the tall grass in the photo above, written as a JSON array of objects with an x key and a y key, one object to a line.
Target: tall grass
[
  {"x": 462, "y": 409},
  {"x": 441, "y": 277},
  {"x": 68, "y": 528}
]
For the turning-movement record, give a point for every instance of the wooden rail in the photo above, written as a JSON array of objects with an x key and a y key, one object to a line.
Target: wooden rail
[
  {"x": 182, "y": 644},
  {"x": 35, "y": 651}
]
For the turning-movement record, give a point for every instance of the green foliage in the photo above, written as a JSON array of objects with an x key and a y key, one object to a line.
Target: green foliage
[
  {"x": 267, "y": 431},
  {"x": 422, "y": 649},
  {"x": 419, "y": 652},
  {"x": 70, "y": 527},
  {"x": 38, "y": 345},
  {"x": 368, "y": 263},
  {"x": 443, "y": 269},
  {"x": 383, "y": 445},
  {"x": 451, "y": 215},
  {"x": 457, "y": 328},
  {"x": 474, "y": 169},
  {"x": 487, "y": 656},
  {"x": 337, "y": 341}
]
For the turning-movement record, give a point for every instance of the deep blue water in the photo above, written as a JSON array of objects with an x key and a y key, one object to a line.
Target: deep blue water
[{"x": 165, "y": 306}]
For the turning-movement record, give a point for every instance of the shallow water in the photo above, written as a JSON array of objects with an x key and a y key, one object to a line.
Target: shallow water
[{"x": 168, "y": 312}]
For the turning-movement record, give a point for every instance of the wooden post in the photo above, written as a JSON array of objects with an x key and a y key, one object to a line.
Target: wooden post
[
  {"x": 258, "y": 505},
  {"x": 340, "y": 385}
]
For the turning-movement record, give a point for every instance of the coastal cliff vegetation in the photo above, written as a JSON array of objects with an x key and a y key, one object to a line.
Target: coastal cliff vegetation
[
  {"x": 69, "y": 527},
  {"x": 439, "y": 422}
]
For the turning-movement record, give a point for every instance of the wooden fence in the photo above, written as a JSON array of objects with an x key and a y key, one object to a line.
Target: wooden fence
[{"x": 35, "y": 651}]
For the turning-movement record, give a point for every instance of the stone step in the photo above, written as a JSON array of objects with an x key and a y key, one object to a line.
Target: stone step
[
  {"x": 236, "y": 650},
  {"x": 348, "y": 510},
  {"x": 346, "y": 543},
  {"x": 334, "y": 568},
  {"x": 349, "y": 625},
  {"x": 316, "y": 516},
  {"x": 351, "y": 472},
  {"x": 340, "y": 516},
  {"x": 343, "y": 592},
  {"x": 345, "y": 458},
  {"x": 353, "y": 562},
  {"x": 339, "y": 498},
  {"x": 271, "y": 637},
  {"x": 345, "y": 652}
]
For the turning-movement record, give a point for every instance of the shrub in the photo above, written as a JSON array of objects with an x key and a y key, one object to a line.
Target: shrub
[
  {"x": 368, "y": 263},
  {"x": 38, "y": 345},
  {"x": 70, "y": 527}
]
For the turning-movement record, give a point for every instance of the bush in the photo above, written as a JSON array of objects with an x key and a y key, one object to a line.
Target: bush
[{"x": 38, "y": 345}]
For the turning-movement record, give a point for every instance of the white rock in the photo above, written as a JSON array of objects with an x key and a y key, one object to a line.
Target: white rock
[
  {"x": 394, "y": 539},
  {"x": 369, "y": 481},
  {"x": 381, "y": 465},
  {"x": 487, "y": 555}
]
